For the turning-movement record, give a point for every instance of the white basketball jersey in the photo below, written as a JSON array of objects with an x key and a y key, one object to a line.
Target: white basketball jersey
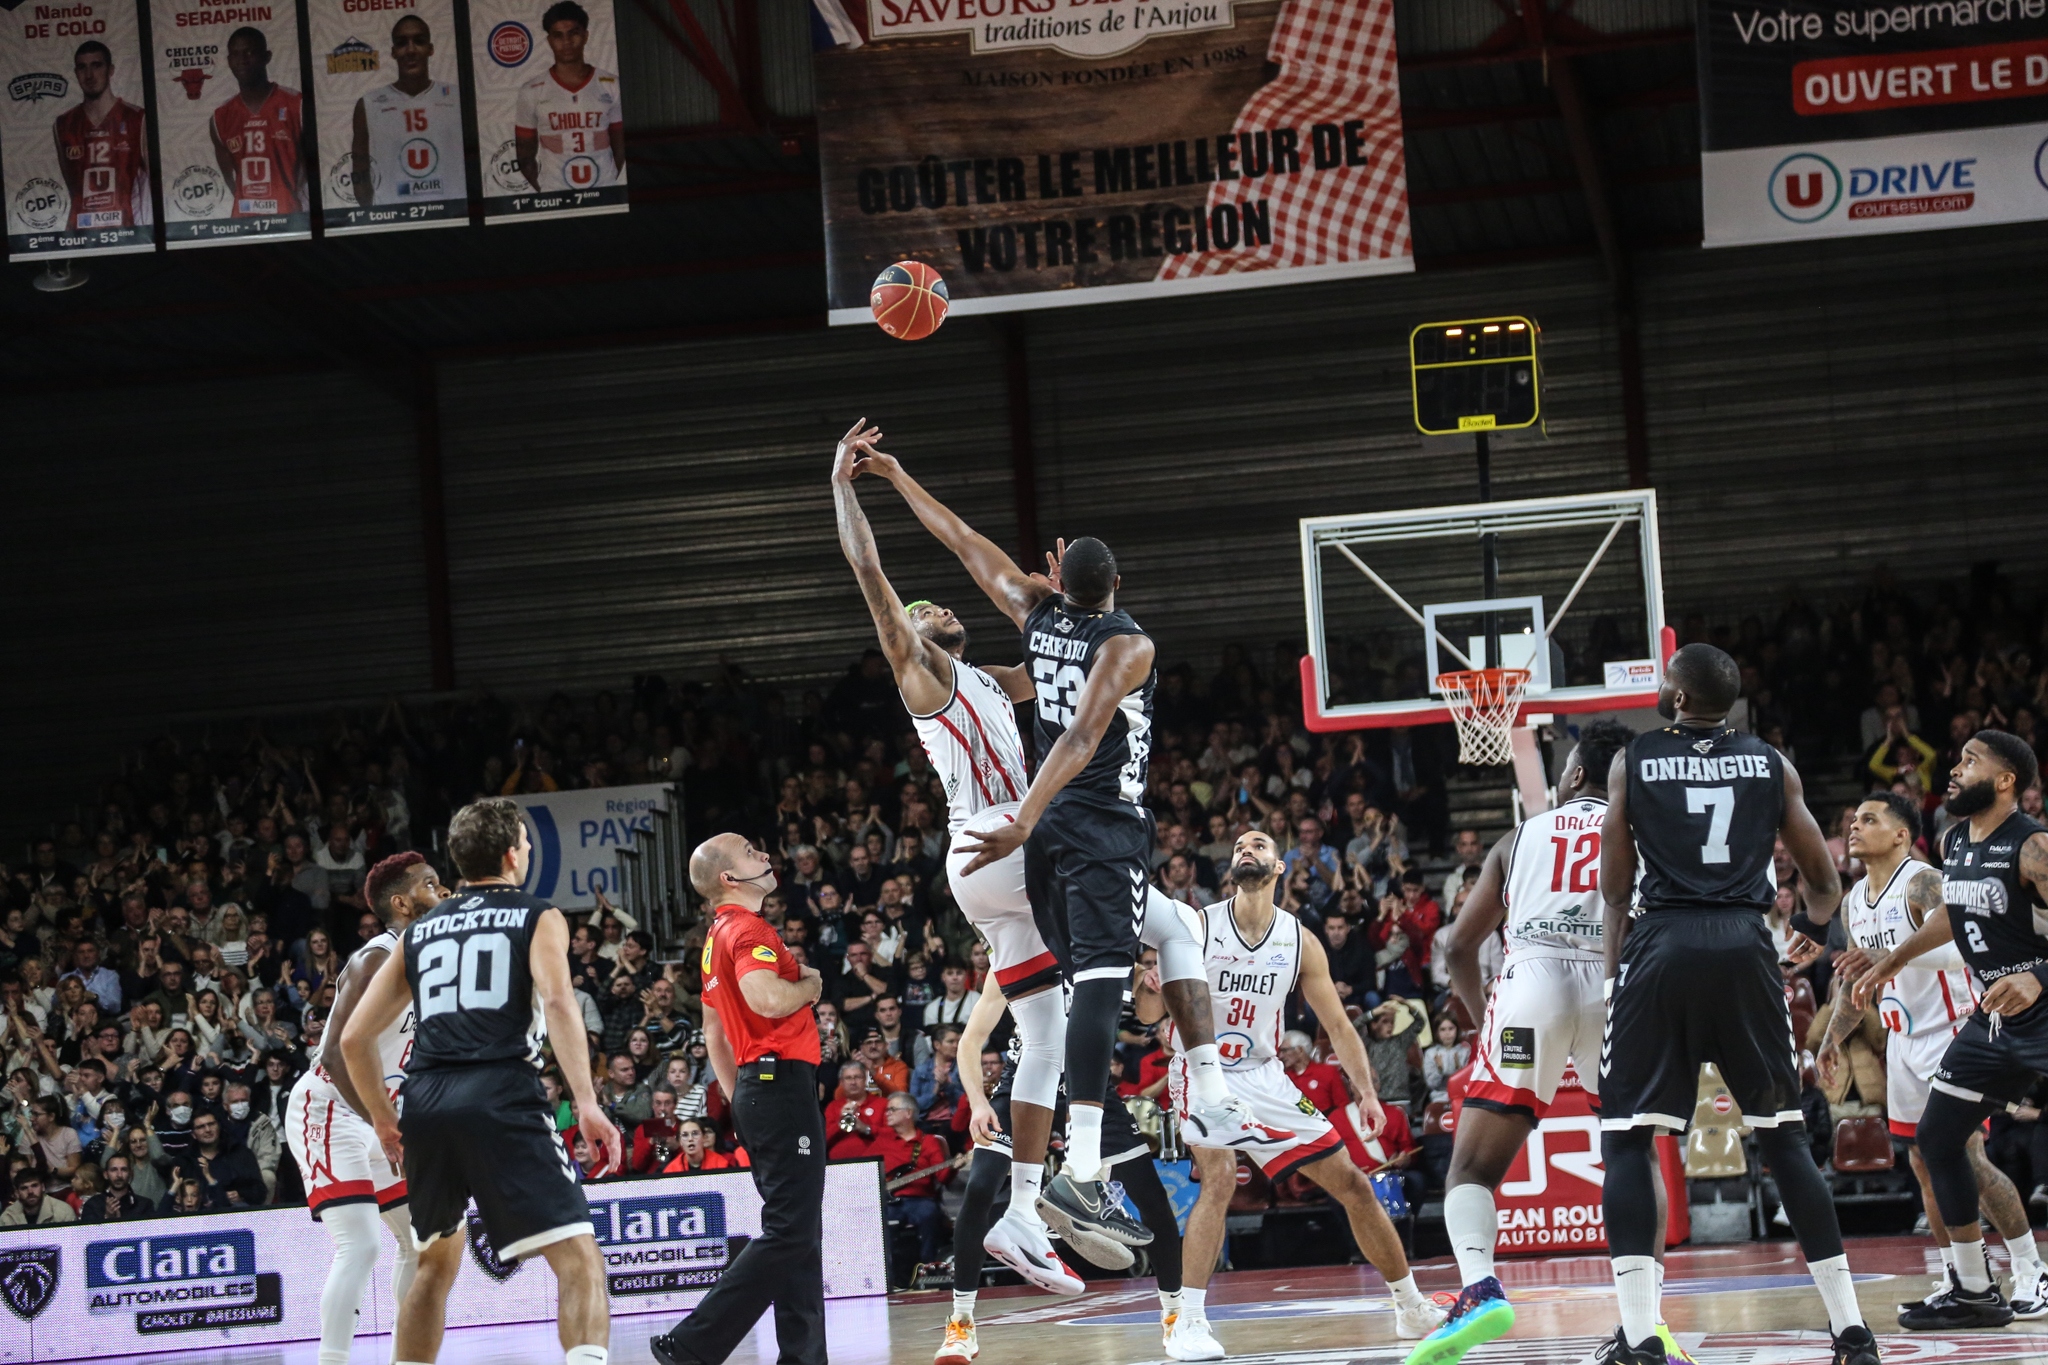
[
  {"x": 572, "y": 128},
  {"x": 416, "y": 143},
  {"x": 1248, "y": 983},
  {"x": 1553, "y": 883},
  {"x": 1931, "y": 994},
  {"x": 394, "y": 1045},
  {"x": 974, "y": 746}
]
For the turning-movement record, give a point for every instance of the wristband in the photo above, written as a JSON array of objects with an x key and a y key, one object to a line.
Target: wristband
[{"x": 1817, "y": 932}]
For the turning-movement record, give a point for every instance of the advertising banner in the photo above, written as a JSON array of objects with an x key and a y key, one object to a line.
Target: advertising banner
[
  {"x": 77, "y": 1291},
  {"x": 388, "y": 94},
  {"x": 74, "y": 135},
  {"x": 1838, "y": 120},
  {"x": 577, "y": 835},
  {"x": 231, "y": 121},
  {"x": 550, "y": 126},
  {"x": 1124, "y": 149}
]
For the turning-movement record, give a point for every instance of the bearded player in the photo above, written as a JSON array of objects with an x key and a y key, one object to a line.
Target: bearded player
[
  {"x": 1255, "y": 955},
  {"x": 349, "y": 1182},
  {"x": 103, "y": 147},
  {"x": 1546, "y": 1014},
  {"x": 1994, "y": 890},
  {"x": 965, "y": 717},
  {"x": 411, "y": 129},
  {"x": 1923, "y": 1008},
  {"x": 258, "y": 134}
]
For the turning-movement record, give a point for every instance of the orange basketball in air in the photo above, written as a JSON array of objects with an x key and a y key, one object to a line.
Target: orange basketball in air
[{"x": 909, "y": 300}]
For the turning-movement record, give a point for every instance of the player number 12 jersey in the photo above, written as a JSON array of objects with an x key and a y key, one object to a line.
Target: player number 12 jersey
[{"x": 1553, "y": 883}]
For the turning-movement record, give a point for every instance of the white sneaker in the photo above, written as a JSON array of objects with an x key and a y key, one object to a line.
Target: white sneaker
[
  {"x": 960, "y": 1345},
  {"x": 1187, "y": 1336},
  {"x": 1414, "y": 1321},
  {"x": 2030, "y": 1300},
  {"x": 1229, "y": 1124},
  {"x": 1025, "y": 1248}
]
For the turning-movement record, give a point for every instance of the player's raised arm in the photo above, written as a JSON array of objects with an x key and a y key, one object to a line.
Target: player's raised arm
[
  {"x": 1121, "y": 667},
  {"x": 1617, "y": 863},
  {"x": 548, "y": 960},
  {"x": 1484, "y": 909},
  {"x": 924, "y": 672},
  {"x": 1320, "y": 992},
  {"x": 1013, "y": 591},
  {"x": 1820, "y": 885},
  {"x": 381, "y": 1005}
]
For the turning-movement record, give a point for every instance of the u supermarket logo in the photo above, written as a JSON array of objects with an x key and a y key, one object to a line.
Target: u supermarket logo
[{"x": 1805, "y": 188}]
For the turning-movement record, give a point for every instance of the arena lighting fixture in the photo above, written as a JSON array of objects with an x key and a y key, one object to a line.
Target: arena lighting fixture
[{"x": 59, "y": 276}]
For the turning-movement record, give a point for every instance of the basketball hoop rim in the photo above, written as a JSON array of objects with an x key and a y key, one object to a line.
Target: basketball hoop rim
[{"x": 1493, "y": 679}]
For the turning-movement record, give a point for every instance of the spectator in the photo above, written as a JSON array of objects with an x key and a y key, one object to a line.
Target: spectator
[
  {"x": 1393, "y": 1147},
  {"x": 186, "y": 1197},
  {"x": 103, "y": 982},
  {"x": 620, "y": 1084},
  {"x": 1325, "y": 875},
  {"x": 957, "y": 1002},
  {"x": 58, "y": 1150},
  {"x": 855, "y": 1114},
  {"x": 223, "y": 1169},
  {"x": 696, "y": 1152},
  {"x": 1321, "y": 1084},
  {"x": 906, "y": 1151},
  {"x": 118, "y": 1202},
  {"x": 667, "y": 1031},
  {"x": 343, "y": 863},
  {"x": 31, "y": 1207},
  {"x": 935, "y": 1085},
  {"x": 1352, "y": 968},
  {"x": 859, "y": 985},
  {"x": 1444, "y": 1058},
  {"x": 256, "y": 1132},
  {"x": 886, "y": 1073},
  {"x": 1389, "y": 1033},
  {"x": 636, "y": 960},
  {"x": 146, "y": 1166},
  {"x": 1470, "y": 852},
  {"x": 658, "y": 1139},
  {"x": 1419, "y": 917}
]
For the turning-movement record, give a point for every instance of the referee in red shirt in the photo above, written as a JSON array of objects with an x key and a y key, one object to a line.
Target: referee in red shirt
[{"x": 763, "y": 1038}]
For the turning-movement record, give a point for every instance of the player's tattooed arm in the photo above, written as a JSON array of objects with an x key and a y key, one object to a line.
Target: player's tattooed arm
[
  {"x": 2034, "y": 863},
  {"x": 1923, "y": 894},
  {"x": 916, "y": 661},
  {"x": 1013, "y": 591}
]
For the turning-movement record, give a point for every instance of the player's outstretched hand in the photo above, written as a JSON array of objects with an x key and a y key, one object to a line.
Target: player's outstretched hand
[
  {"x": 1803, "y": 950},
  {"x": 853, "y": 446},
  {"x": 994, "y": 846},
  {"x": 1375, "y": 1117},
  {"x": 1869, "y": 984},
  {"x": 603, "y": 1136},
  {"x": 982, "y": 1123},
  {"x": 2013, "y": 994}
]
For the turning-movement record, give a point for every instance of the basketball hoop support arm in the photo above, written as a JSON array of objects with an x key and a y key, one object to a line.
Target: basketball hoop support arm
[
  {"x": 1399, "y": 600},
  {"x": 1489, "y": 554}
]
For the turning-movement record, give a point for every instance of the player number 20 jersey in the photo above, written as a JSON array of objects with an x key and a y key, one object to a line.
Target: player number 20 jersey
[
  {"x": 394, "y": 1045},
  {"x": 468, "y": 963},
  {"x": 975, "y": 746},
  {"x": 1930, "y": 993},
  {"x": 1553, "y": 883}
]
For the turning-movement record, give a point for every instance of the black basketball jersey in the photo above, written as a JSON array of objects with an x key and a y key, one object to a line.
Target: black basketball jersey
[
  {"x": 1705, "y": 804},
  {"x": 467, "y": 961},
  {"x": 1062, "y": 643},
  {"x": 1998, "y": 919}
]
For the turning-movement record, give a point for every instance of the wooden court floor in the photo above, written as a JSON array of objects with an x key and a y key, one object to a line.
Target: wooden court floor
[{"x": 1743, "y": 1305}]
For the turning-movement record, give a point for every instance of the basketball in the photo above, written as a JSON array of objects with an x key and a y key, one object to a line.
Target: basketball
[{"x": 909, "y": 300}]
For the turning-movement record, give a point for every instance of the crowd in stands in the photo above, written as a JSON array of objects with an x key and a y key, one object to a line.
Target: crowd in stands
[{"x": 167, "y": 958}]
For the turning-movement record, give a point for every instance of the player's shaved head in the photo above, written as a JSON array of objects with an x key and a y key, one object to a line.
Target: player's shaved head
[
  {"x": 713, "y": 858},
  {"x": 1706, "y": 677},
  {"x": 939, "y": 625},
  {"x": 1088, "y": 572}
]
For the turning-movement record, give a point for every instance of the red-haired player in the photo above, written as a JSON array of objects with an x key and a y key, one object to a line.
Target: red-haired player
[
  {"x": 259, "y": 132},
  {"x": 103, "y": 148},
  {"x": 349, "y": 1182}
]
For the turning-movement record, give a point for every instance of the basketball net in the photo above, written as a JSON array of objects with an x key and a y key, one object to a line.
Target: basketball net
[{"x": 1484, "y": 703}]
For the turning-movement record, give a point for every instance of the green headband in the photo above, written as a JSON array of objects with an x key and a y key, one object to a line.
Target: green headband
[{"x": 910, "y": 608}]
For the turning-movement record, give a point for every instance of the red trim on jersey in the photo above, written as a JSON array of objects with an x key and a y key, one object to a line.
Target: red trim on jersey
[
  {"x": 356, "y": 1191},
  {"x": 1285, "y": 1164},
  {"x": 1010, "y": 976},
  {"x": 1947, "y": 998},
  {"x": 968, "y": 749},
  {"x": 979, "y": 729},
  {"x": 391, "y": 1196},
  {"x": 574, "y": 89},
  {"x": 1907, "y": 1131},
  {"x": 1476, "y": 1089}
]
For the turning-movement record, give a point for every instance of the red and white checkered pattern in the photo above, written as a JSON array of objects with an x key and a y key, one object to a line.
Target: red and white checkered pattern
[{"x": 1337, "y": 63}]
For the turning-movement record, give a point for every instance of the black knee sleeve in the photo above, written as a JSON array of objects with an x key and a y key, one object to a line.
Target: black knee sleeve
[
  {"x": 1155, "y": 1209},
  {"x": 1629, "y": 1193},
  {"x": 1092, "y": 1017},
  {"x": 1802, "y": 1189},
  {"x": 988, "y": 1187},
  {"x": 1944, "y": 1141}
]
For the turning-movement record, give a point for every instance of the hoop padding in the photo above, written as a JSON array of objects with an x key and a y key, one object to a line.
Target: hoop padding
[{"x": 1484, "y": 703}]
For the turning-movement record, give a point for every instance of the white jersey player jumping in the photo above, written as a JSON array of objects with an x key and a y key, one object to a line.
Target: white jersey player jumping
[
  {"x": 349, "y": 1181},
  {"x": 1544, "y": 1019},
  {"x": 968, "y": 723},
  {"x": 1254, "y": 955},
  {"x": 1922, "y": 1008}
]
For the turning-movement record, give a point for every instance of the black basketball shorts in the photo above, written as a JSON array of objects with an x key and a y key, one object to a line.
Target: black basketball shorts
[
  {"x": 1121, "y": 1140},
  {"x": 1698, "y": 987},
  {"x": 487, "y": 1132},
  {"x": 1085, "y": 869},
  {"x": 1998, "y": 1067}
]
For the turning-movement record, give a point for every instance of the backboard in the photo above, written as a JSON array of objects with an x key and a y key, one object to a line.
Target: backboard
[{"x": 1396, "y": 598}]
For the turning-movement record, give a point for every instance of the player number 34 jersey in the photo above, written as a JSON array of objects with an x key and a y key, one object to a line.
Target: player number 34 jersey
[
  {"x": 1553, "y": 883},
  {"x": 1248, "y": 983}
]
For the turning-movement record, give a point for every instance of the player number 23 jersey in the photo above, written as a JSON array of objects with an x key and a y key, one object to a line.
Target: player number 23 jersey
[{"x": 1553, "y": 883}]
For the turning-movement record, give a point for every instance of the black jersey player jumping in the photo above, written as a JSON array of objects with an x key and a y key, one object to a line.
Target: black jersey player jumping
[
  {"x": 1695, "y": 979},
  {"x": 1994, "y": 884}
]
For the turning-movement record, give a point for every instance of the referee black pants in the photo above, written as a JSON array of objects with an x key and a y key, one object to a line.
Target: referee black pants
[{"x": 784, "y": 1132}]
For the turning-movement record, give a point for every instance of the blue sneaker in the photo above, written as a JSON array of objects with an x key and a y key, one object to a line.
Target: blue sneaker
[{"x": 1481, "y": 1314}]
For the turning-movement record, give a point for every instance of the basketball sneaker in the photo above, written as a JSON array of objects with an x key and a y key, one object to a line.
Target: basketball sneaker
[
  {"x": 1068, "y": 1206},
  {"x": 1419, "y": 1319},
  {"x": 1673, "y": 1352},
  {"x": 1942, "y": 1288},
  {"x": 1856, "y": 1346},
  {"x": 1024, "y": 1248},
  {"x": 1957, "y": 1308},
  {"x": 1482, "y": 1313},
  {"x": 1097, "y": 1249},
  {"x": 1187, "y": 1336},
  {"x": 2030, "y": 1295},
  {"x": 1229, "y": 1124},
  {"x": 1616, "y": 1351},
  {"x": 960, "y": 1346}
]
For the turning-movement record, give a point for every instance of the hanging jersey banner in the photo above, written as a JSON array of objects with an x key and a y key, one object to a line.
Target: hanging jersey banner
[
  {"x": 74, "y": 136},
  {"x": 1846, "y": 119},
  {"x": 549, "y": 122},
  {"x": 388, "y": 96},
  {"x": 231, "y": 122},
  {"x": 1110, "y": 151}
]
